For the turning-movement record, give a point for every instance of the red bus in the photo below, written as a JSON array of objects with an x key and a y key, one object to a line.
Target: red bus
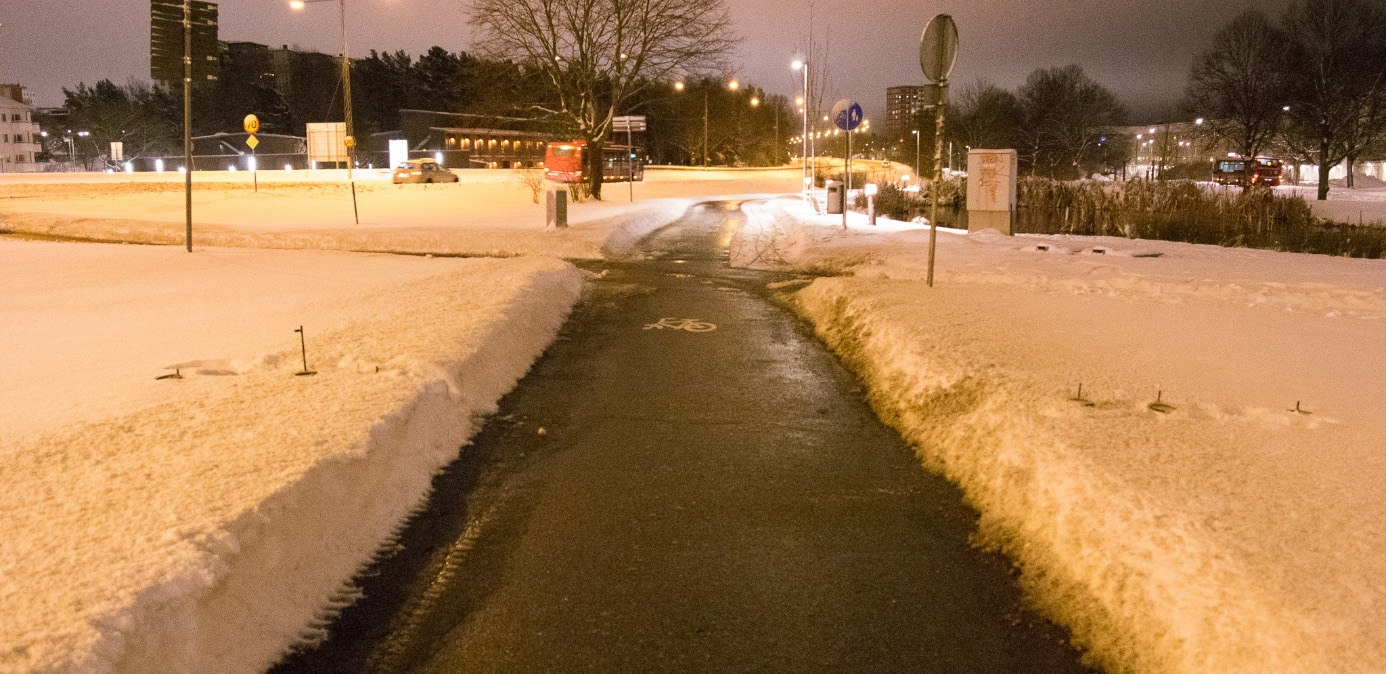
[
  {"x": 620, "y": 163},
  {"x": 1244, "y": 172}
]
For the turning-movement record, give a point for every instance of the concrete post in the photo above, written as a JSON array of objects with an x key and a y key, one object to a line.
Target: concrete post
[{"x": 557, "y": 209}]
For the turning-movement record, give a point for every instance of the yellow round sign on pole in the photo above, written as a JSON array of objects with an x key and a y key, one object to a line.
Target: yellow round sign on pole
[
  {"x": 350, "y": 141},
  {"x": 252, "y": 124}
]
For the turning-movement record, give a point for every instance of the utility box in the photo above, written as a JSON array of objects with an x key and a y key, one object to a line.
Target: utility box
[
  {"x": 557, "y": 209},
  {"x": 991, "y": 182},
  {"x": 837, "y": 197}
]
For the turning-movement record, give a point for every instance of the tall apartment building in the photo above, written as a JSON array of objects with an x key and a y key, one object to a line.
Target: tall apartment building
[
  {"x": 903, "y": 107},
  {"x": 19, "y": 133}
]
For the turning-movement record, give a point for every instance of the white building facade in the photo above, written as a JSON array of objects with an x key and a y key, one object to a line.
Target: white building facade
[{"x": 19, "y": 133}]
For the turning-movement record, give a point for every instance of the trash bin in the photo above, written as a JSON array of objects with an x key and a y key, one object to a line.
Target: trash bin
[{"x": 837, "y": 197}]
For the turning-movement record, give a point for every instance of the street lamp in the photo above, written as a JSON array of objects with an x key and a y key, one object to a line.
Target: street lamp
[
  {"x": 810, "y": 174},
  {"x": 918, "y": 163},
  {"x": 350, "y": 140},
  {"x": 732, "y": 85}
]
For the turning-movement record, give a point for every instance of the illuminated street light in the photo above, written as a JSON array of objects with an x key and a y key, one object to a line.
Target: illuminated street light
[
  {"x": 732, "y": 85},
  {"x": 810, "y": 174},
  {"x": 917, "y": 161}
]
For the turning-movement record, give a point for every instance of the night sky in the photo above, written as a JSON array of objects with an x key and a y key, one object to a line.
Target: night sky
[{"x": 1141, "y": 50}]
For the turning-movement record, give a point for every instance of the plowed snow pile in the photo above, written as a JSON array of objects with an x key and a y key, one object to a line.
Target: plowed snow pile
[
  {"x": 201, "y": 524},
  {"x": 1210, "y": 502}
]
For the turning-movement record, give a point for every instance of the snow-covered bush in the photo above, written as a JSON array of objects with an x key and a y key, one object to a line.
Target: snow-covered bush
[{"x": 1190, "y": 212}]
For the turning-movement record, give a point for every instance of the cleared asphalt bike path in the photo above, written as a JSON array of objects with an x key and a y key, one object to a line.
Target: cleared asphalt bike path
[{"x": 689, "y": 482}]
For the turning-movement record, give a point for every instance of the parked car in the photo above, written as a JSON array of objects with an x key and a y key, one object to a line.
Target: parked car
[{"x": 423, "y": 171}]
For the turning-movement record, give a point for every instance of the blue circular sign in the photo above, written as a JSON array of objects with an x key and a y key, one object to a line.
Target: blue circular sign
[{"x": 847, "y": 114}]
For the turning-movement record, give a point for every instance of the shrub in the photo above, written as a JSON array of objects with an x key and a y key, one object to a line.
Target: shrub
[{"x": 1189, "y": 212}]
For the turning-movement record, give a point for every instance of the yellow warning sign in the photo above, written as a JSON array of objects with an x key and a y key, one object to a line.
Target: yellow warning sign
[{"x": 252, "y": 141}]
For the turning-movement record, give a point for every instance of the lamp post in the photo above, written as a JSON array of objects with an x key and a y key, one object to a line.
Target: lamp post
[
  {"x": 809, "y": 178},
  {"x": 918, "y": 163},
  {"x": 350, "y": 140},
  {"x": 734, "y": 85}
]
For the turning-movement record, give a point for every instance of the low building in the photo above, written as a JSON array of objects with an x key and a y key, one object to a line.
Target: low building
[
  {"x": 460, "y": 140},
  {"x": 19, "y": 133}
]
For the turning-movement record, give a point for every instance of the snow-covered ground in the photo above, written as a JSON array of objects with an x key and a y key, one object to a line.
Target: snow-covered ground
[
  {"x": 1365, "y": 204},
  {"x": 202, "y": 524},
  {"x": 1225, "y": 533},
  {"x": 205, "y": 524},
  {"x": 487, "y": 213}
]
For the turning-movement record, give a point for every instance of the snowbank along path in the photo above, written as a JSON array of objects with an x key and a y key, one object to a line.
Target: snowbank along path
[{"x": 1236, "y": 528}]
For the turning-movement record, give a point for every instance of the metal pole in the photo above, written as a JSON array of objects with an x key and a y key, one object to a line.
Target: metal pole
[
  {"x": 350, "y": 132},
  {"x": 918, "y": 163},
  {"x": 776, "y": 159},
  {"x": 704, "y": 125},
  {"x": 187, "y": 117},
  {"x": 630, "y": 159},
  {"x": 804, "y": 155},
  {"x": 938, "y": 174},
  {"x": 847, "y": 174}
]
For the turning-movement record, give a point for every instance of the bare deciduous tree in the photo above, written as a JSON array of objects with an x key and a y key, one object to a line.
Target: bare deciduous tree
[
  {"x": 1065, "y": 112},
  {"x": 600, "y": 54},
  {"x": 986, "y": 116},
  {"x": 1240, "y": 84},
  {"x": 1339, "y": 81}
]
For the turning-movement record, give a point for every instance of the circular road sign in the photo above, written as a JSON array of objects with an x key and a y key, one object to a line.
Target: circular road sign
[
  {"x": 938, "y": 48},
  {"x": 847, "y": 114},
  {"x": 252, "y": 124}
]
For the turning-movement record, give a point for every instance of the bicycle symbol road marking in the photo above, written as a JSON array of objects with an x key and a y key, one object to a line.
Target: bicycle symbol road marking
[{"x": 689, "y": 324}]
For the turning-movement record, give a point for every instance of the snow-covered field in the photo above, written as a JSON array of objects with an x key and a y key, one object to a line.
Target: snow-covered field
[
  {"x": 205, "y": 524},
  {"x": 1225, "y": 533},
  {"x": 1365, "y": 204},
  {"x": 487, "y": 213}
]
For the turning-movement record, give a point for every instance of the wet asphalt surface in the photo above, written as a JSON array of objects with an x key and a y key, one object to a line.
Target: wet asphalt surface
[{"x": 660, "y": 499}]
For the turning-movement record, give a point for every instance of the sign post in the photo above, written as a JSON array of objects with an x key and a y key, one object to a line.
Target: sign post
[
  {"x": 252, "y": 126},
  {"x": 630, "y": 124},
  {"x": 847, "y": 115},
  {"x": 938, "y": 50}
]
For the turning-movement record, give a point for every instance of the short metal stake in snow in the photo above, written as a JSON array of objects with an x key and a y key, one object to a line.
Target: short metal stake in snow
[
  {"x": 1080, "y": 399},
  {"x": 177, "y": 374},
  {"x": 1159, "y": 405},
  {"x": 1297, "y": 409},
  {"x": 303, "y": 344}
]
